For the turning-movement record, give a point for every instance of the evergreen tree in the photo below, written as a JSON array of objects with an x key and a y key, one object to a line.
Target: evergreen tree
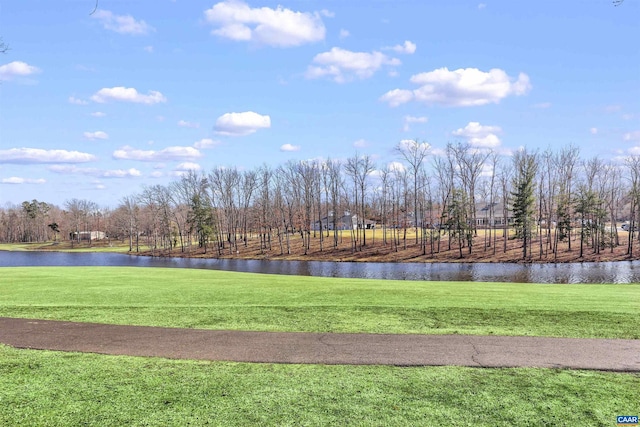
[{"x": 524, "y": 185}]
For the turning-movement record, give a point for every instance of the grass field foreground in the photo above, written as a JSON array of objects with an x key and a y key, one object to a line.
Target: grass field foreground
[
  {"x": 51, "y": 389},
  {"x": 240, "y": 301}
]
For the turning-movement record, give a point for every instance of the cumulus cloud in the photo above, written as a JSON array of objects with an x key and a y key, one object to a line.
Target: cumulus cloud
[
  {"x": 167, "y": 154},
  {"x": 289, "y": 147},
  {"x": 101, "y": 173},
  {"x": 342, "y": 65},
  {"x": 480, "y": 136},
  {"x": 98, "y": 114},
  {"x": 19, "y": 180},
  {"x": 632, "y": 136},
  {"x": 344, "y": 33},
  {"x": 412, "y": 144},
  {"x": 240, "y": 124},
  {"x": 127, "y": 94},
  {"x": 280, "y": 27},
  {"x": 464, "y": 87},
  {"x": 187, "y": 166},
  {"x": 38, "y": 155},
  {"x": 409, "y": 120},
  {"x": 205, "y": 143},
  {"x": 96, "y": 135},
  {"x": 121, "y": 173},
  {"x": 187, "y": 124},
  {"x": 406, "y": 48},
  {"x": 123, "y": 24},
  {"x": 17, "y": 69},
  {"x": 396, "y": 167}
]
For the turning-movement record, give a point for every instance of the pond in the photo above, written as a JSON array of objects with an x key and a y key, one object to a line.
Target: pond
[{"x": 606, "y": 272}]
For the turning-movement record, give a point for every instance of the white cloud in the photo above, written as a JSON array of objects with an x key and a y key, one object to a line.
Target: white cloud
[
  {"x": 17, "y": 69},
  {"x": 344, "y": 65},
  {"x": 127, "y": 94},
  {"x": 628, "y": 116},
  {"x": 593, "y": 131},
  {"x": 634, "y": 151},
  {"x": 101, "y": 173},
  {"x": 482, "y": 6},
  {"x": 460, "y": 88},
  {"x": 412, "y": 144},
  {"x": 96, "y": 135},
  {"x": 206, "y": 143},
  {"x": 406, "y": 48},
  {"x": 240, "y": 124},
  {"x": 289, "y": 147},
  {"x": 344, "y": 33},
  {"x": 123, "y": 24},
  {"x": 156, "y": 174},
  {"x": 396, "y": 167},
  {"x": 77, "y": 101},
  {"x": 167, "y": 154},
  {"x": 632, "y": 136},
  {"x": 19, "y": 180},
  {"x": 408, "y": 120},
  {"x": 98, "y": 114},
  {"x": 121, "y": 173},
  {"x": 397, "y": 97},
  {"x": 38, "y": 155},
  {"x": 278, "y": 27},
  {"x": 360, "y": 143},
  {"x": 187, "y": 166},
  {"x": 187, "y": 124},
  {"x": 480, "y": 136}
]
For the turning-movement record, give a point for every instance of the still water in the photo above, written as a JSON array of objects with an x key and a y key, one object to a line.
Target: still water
[{"x": 606, "y": 272}]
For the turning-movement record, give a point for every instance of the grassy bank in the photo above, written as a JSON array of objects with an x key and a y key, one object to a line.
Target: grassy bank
[
  {"x": 224, "y": 300},
  {"x": 67, "y": 246},
  {"x": 51, "y": 389}
]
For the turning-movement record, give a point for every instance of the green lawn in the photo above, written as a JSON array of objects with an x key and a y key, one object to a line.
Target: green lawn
[
  {"x": 100, "y": 246},
  {"x": 43, "y": 388},
  {"x": 225, "y": 300}
]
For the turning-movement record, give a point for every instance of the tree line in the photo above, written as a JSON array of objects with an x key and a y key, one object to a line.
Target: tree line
[{"x": 548, "y": 201}]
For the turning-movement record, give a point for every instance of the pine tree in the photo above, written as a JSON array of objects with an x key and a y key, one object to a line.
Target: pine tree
[{"x": 523, "y": 204}]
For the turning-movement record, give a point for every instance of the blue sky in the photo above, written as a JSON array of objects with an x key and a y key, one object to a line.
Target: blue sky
[{"x": 95, "y": 106}]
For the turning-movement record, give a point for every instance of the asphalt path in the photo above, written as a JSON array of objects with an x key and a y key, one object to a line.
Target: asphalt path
[{"x": 324, "y": 348}]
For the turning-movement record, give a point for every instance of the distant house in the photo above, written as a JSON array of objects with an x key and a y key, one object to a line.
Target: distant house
[
  {"x": 498, "y": 219},
  {"x": 87, "y": 235},
  {"x": 345, "y": 222}
]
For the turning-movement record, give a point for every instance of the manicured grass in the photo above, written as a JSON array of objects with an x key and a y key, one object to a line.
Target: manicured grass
[
  {"x": 100, "y": 246},
  {"x": 239, "y": 301},
  {"x": 53, "y": 389}
]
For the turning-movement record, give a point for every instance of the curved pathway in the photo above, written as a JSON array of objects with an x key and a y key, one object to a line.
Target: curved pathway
[{"x": 323, "y": 348}]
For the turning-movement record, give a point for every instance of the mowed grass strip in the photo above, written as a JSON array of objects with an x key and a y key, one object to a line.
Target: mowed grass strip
[
  {"x": 66, "y": 246},
  {"x": 240, "y": 301},
  {"x": 47, "y": 388}
]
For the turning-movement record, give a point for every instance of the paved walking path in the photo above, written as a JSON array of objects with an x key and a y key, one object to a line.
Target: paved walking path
[{"x": 324, "y": 348}]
